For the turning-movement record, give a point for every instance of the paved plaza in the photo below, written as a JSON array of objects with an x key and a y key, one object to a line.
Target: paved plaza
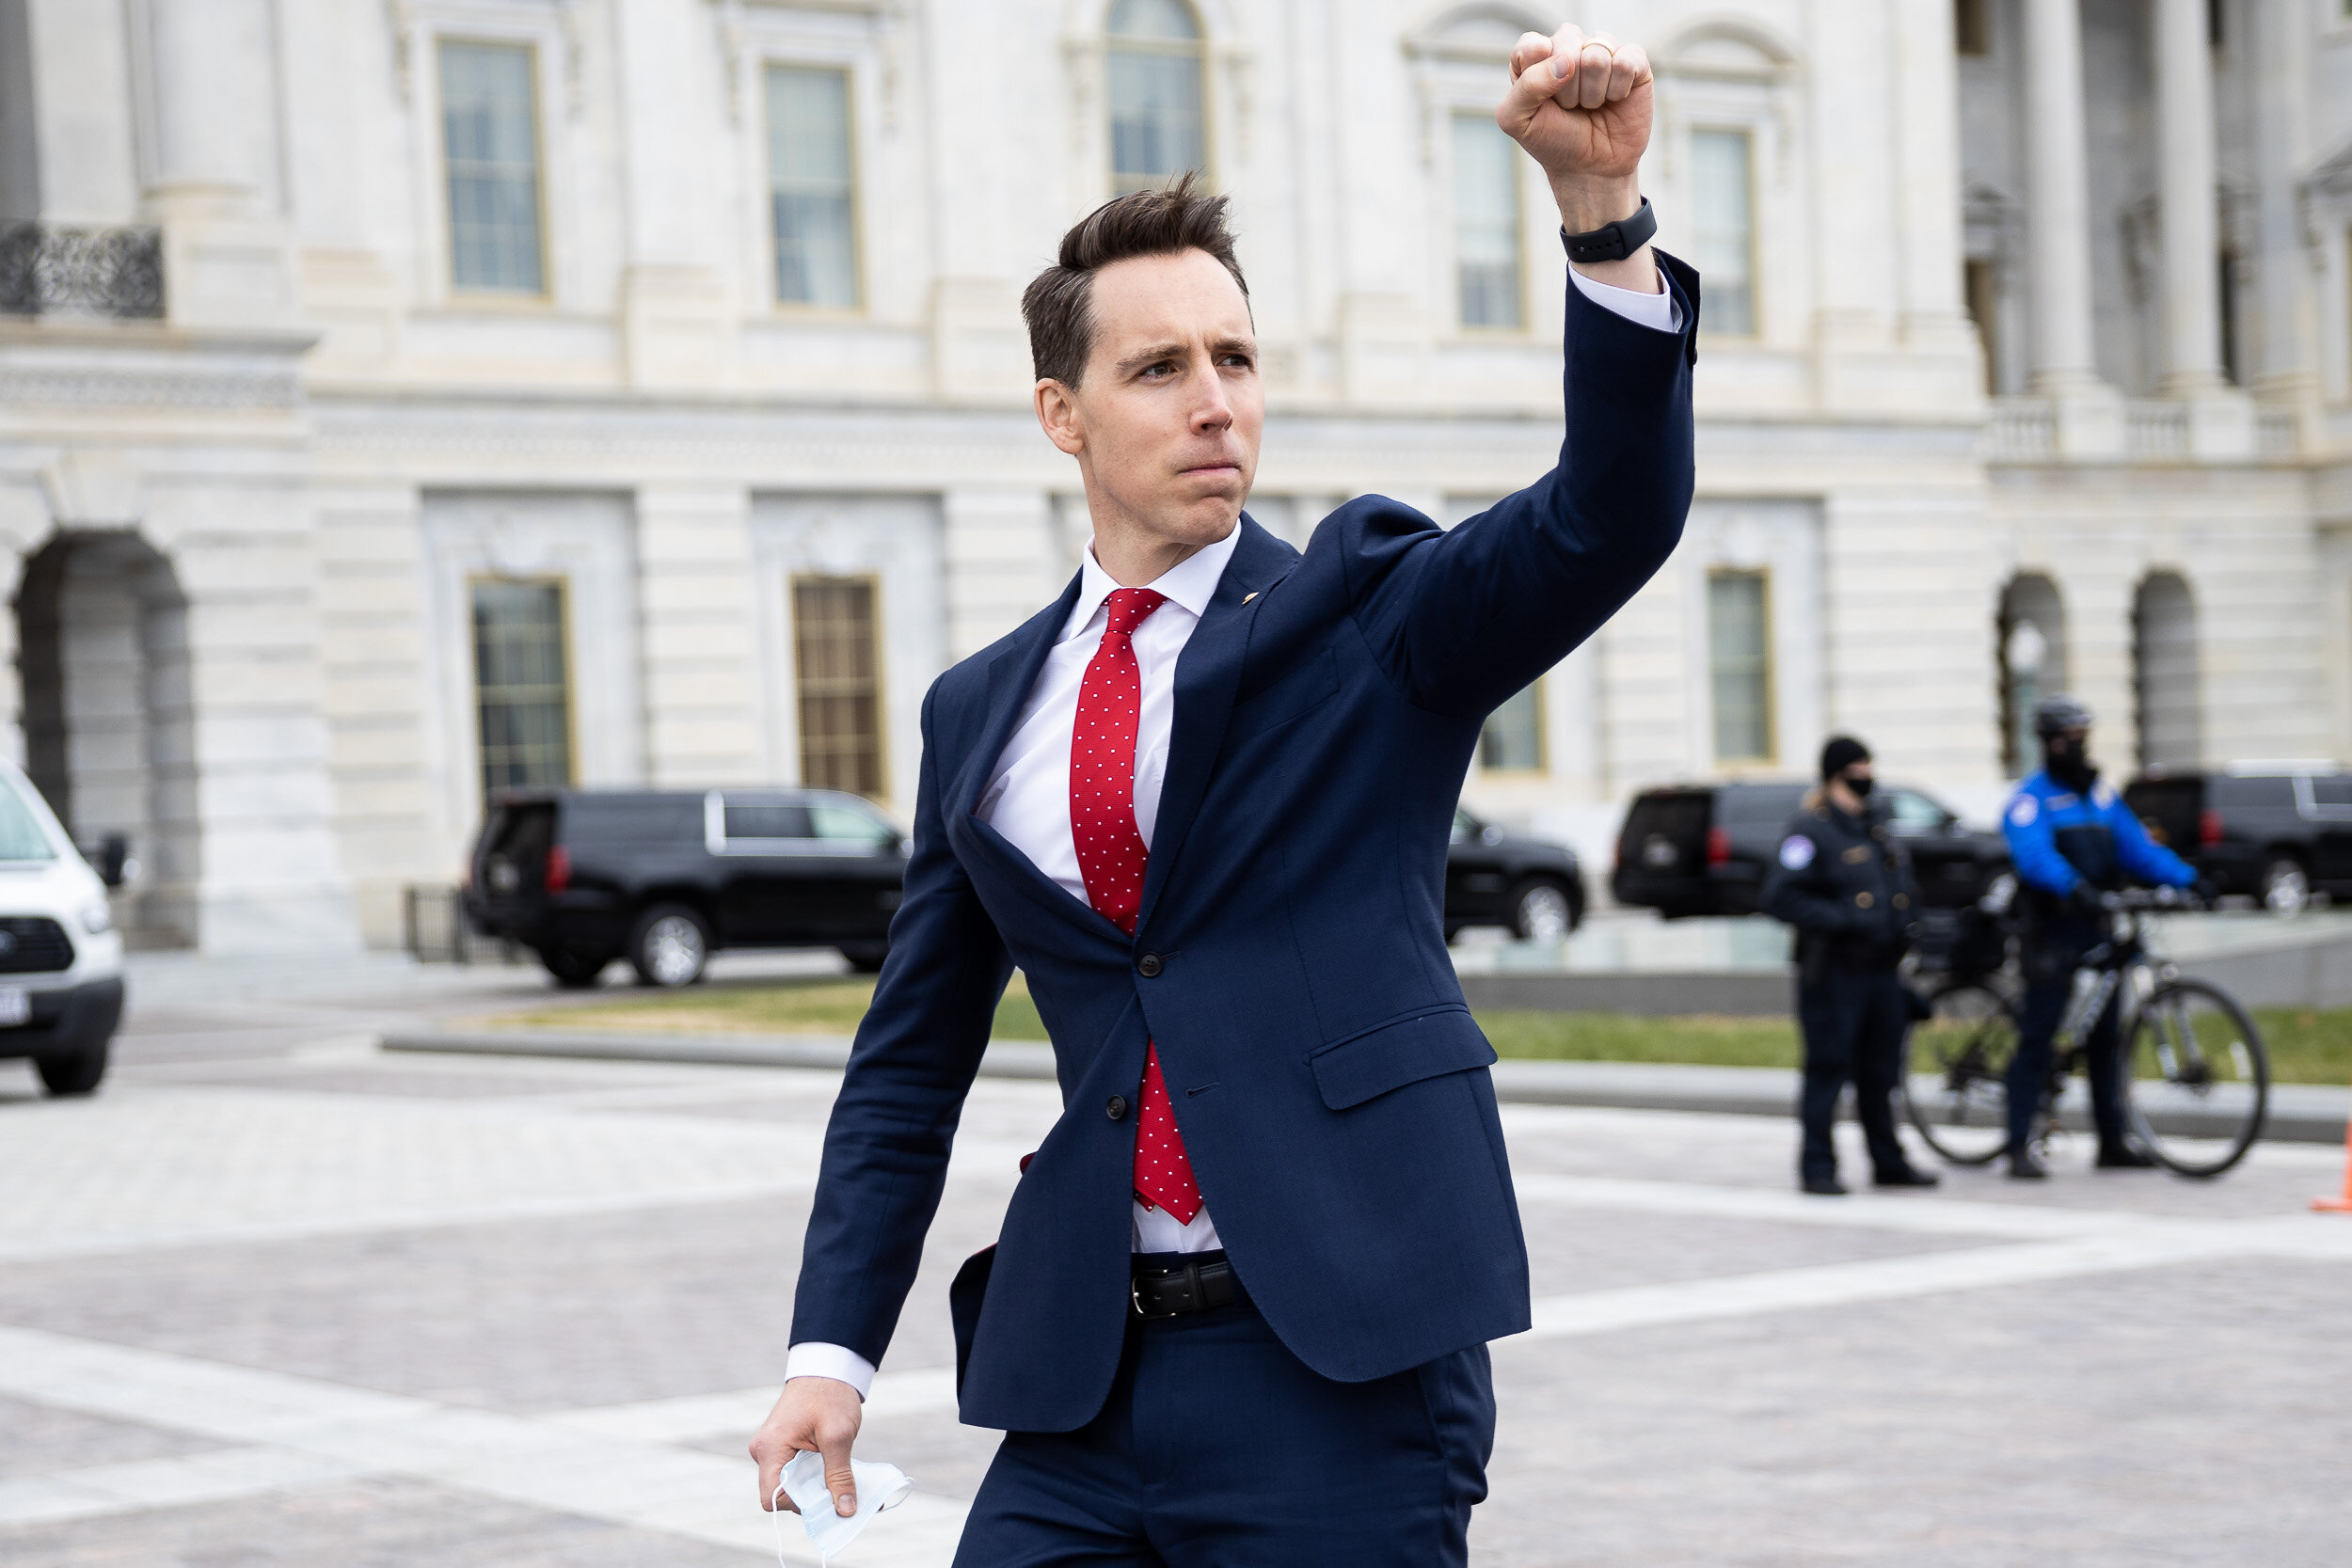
[{"x": 276, "y": 1298}]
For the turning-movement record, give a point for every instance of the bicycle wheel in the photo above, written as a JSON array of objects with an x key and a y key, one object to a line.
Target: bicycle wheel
[
  {"x": 2197, "y": 1080},
  {"x": 1956, "y": 1094}
]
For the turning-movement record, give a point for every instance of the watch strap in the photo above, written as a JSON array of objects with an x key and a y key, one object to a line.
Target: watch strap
[{"x": 1612, "y": 241}]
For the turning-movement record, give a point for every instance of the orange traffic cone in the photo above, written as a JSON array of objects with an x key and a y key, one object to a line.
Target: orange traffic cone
[{"x": 2340, "y": 1205}]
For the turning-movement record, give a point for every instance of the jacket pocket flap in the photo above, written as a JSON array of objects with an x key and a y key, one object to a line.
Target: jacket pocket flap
[{"x": 1365, "y": 1065}]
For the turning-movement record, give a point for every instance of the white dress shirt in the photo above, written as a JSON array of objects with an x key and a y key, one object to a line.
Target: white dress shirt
[{"x": 1028, "y": 798}]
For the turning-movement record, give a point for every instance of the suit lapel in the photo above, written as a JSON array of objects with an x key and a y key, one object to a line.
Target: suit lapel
[{"x": 1208, "y": 673}]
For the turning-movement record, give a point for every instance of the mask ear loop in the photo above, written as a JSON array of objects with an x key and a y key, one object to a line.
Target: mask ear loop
[{"x": 775, "y": 1523}]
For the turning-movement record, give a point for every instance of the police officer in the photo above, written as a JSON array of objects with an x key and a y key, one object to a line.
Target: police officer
[
  {"x": 2071, "y": 838},
  {"x": 1845, "y": 884}
]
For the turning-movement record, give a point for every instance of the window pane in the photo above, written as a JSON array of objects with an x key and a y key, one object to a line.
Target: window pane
[
  {"x": 1155, "y": 113},
  {"x": 1513, "y": 740},
  {"x": 1485, "y": 222},
  {"x": 809, "y": 186},
  {"x": 838, "y": 677},
  {"x": 1171, "y": 20},
  {"x": 1723, "y": 236},
  {"x": 1740, "y": 666},
  {"x": 522, "y": 690},
  {"x": 491, "y": 138}
]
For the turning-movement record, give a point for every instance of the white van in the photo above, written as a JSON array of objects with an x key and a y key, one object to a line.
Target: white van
[{"x": 60, "y": 957}]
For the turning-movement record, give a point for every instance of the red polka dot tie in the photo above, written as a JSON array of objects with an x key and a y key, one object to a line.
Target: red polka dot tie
[{"x": 1111, "y": 859}]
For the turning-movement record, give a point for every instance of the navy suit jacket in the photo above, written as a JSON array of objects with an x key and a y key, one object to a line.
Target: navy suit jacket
[{"x": 1329, "y": 1083}]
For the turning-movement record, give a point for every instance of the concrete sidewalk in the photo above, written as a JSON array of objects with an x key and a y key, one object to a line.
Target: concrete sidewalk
[{"x": 2299, "y": 1113}]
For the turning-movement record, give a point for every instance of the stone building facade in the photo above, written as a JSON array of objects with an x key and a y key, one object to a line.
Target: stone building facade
[{"x": 399, "y": 398}]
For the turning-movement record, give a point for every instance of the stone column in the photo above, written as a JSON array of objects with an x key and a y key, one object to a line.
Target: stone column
[
  {"x": 2285, "y": 370},
  {"x": 1000, "y": 562},
  {"x": 2058, "y": 197},
  {"x": 2192, "y": 276},
  {"x": 695, "y": 583},
  {"x": 211, "y": 175},
  {"x": 2058, "y": 223}
]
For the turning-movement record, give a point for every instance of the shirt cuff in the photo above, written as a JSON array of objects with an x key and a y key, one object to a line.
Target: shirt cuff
[
  {"x": 1659, "y": 311},
  {"x": 843, "y": 1365}
]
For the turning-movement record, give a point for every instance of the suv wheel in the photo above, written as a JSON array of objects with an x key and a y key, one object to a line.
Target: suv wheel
[
  {"x": 669, "y": 946},
  {"x": 573, "y": 969},
  {"x": 2286, "y": 887},
  {"x": 76, "y": 1074},
  {"x": 1542, "y": 910},
  {"x": 866, "y": 957}
]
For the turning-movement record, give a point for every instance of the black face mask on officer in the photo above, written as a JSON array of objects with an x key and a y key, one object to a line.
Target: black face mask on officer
[
  {"x": 1860, "y": 786},
  {"x": 2069, "y": 761}
]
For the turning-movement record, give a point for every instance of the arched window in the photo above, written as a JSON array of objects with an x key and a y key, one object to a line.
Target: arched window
[
  {"x": 2032, "y": 630},
  {"x": 1153, "y": 79},
  {"x": 2164, "y": 673}
]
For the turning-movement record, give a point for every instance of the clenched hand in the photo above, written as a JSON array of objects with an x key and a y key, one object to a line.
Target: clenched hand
[{"x": 813, "y": 1414}]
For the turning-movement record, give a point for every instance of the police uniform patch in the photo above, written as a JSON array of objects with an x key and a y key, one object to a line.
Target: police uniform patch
[
  {"x": 1796, "y": 851},
  {"x": 2023, "y": 810}
]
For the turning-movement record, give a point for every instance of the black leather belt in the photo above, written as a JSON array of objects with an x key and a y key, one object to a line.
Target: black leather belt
[{"x": 1195, "y": 1285}]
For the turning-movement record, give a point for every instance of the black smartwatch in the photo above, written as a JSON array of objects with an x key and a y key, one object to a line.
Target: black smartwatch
[{"x": 1612, "y": 241}]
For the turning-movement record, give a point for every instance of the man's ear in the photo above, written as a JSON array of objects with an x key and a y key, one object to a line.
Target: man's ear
[{"x": 1057, "y": 416}]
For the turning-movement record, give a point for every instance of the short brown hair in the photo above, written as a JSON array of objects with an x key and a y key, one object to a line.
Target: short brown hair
[{"x": 1058, "y": 304}]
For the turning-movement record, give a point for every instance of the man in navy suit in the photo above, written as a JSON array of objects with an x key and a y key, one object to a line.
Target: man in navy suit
[{"x": 1238, "y": 1311}]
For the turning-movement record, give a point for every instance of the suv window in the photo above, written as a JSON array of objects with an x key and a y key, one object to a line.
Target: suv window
[
  {"x": 766, "y": 821},
  {"x": 633, "y": 819},
  {"x": 1761, "y": 803},
  {"x": 2276, "y": 791},
  {"x": 1916, "y": 812},
  {"x": 838, "y": 824},
  {"x": 2332, "y": 789}
]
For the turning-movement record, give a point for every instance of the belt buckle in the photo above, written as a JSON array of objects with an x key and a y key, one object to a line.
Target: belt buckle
[{"x": 1189, "y": 1274}]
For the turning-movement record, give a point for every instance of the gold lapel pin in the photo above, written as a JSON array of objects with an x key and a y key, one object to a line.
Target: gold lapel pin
[{"x": 1246, "y": 597}]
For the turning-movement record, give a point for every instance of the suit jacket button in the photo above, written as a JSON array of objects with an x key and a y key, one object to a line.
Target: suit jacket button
[
  {"x": 1149, "y": 966},
  {"x": 1862, "y": 900},
  {"x": 1117, "y": 1108}
]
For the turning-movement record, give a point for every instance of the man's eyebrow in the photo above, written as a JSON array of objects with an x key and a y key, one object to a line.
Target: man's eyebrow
[{"x": 1151, "y": 355}]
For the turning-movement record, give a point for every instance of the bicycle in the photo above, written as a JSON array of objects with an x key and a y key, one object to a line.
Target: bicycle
[{"x": 2196, "y": 1076}]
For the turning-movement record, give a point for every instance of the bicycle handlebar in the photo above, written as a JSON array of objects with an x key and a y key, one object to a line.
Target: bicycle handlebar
[{"x": 2154, "y": 900}]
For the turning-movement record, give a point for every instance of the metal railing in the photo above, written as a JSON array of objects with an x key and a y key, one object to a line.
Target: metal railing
[
  {"x": 434, "y": 930},
  {"x": 90, "y": 272}
]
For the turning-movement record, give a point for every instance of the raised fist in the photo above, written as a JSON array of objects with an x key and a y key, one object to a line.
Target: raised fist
[{"x": 1580, "y": 106}]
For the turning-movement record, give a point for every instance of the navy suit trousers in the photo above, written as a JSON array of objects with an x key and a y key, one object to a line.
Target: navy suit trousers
[{"x": 1219, "y": 1448}]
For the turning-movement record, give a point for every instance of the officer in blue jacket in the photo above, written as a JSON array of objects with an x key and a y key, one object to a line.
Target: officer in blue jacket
[{"x": 2071, "y": 838}]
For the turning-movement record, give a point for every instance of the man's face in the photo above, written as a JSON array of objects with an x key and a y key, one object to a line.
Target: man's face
[
  {"x": 1166, "y": 423},
  {"x": 2069, "y": 746}
]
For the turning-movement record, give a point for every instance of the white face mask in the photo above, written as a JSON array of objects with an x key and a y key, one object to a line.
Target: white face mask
[{"x": 879, "y": 1487}]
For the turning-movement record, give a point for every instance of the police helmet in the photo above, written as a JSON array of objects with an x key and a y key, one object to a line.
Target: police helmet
[{"x": 2058, "y": 714}]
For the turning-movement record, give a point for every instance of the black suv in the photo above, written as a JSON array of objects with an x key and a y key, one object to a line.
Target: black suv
[
  {"x": 1493, "y": 877},
  {"x": 665, "y": 879},
  {"x": 1695, "y": 849},
  {"x": 2279, "y": 833}
]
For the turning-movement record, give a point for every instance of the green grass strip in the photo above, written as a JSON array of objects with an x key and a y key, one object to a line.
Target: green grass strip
[{"x": 2307, "y": 1045}]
